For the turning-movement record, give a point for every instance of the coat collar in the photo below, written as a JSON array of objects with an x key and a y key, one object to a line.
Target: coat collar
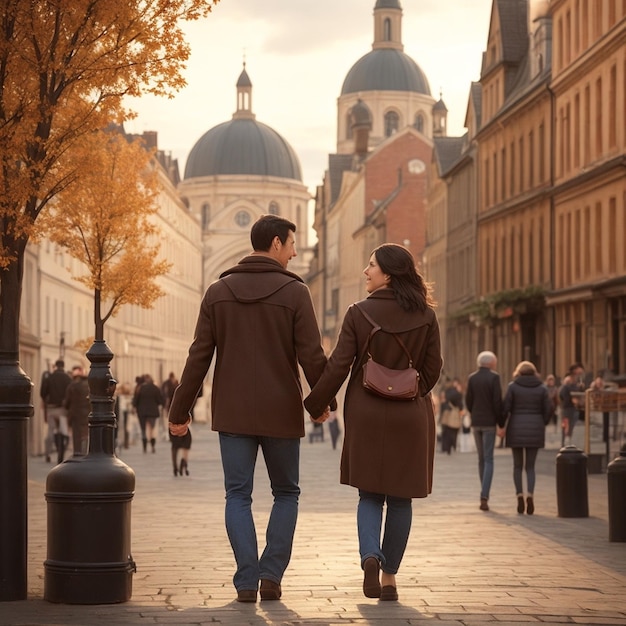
[{"x": 256, "y": 263}]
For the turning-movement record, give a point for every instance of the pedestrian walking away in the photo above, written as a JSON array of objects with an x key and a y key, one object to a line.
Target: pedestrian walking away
[
  {"x": 389, "y": 444},
  {"x": 483, "y": 399},
  {"x": 259, "y": 320},
  {"x": 78, "y": 406},
  {"x": 148, "y": 401},
  {"x": 52, "y": 392},
  {"x": 570, "y": 406},
  {"x": 527, "y": 411}
]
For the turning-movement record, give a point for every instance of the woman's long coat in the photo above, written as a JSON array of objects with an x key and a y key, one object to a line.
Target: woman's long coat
[{"x": 389, "y": 445}]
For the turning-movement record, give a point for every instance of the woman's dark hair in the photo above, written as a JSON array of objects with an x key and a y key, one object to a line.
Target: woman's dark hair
[
  {"x": 266, "y": 228},
  {"x": 411, "y": 291}
]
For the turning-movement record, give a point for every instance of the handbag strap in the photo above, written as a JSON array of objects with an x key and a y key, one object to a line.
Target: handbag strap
[{"x": 376, "y": 328}]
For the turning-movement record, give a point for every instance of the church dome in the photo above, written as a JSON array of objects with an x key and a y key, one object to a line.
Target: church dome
[
  {"x": 243, "y": 146},
  {"x": 385, "y": 69}
]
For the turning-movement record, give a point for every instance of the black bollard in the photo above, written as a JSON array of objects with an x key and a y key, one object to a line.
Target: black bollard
[
  {"x": 15, "y": 409},
  {"x": 89, "y": 508},
  {"x": 616, "y": 476},
  {"x": 571, "y": 483}
]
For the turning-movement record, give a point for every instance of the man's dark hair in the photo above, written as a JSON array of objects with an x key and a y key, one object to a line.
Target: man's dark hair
[
  {"x": 266, "y": 228},
  {"x": 59, "y": 363}
]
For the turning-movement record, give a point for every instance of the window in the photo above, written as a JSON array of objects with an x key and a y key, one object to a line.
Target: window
[
  {"x": 392, "y": 123},
  {"x": 273, "y": 208},
  {"x": 387, "y": 30},
  {"x": 598, "y": 117},
  {"x": 613, "y": 107},
  {"x": 205, "y": 215},
  {"x": 242, "y": 218},
  {"x": 419, "y": 122}
]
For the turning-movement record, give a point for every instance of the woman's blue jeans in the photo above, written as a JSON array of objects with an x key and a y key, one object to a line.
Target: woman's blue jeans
[
  {"x": 282, "y": 460},
  {"x": 397, "y": 528}
]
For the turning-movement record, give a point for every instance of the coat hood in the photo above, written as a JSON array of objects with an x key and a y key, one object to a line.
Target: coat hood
[
  {"x": 528, "y": 380},
  {"x": 274, "y": 279}
]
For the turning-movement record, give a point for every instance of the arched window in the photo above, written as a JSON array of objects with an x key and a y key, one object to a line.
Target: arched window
[
  {"x": 349, "y": 125},
  {"x": 242, "y": 218},
  {"x": 206, "y": 215},
  {"x": 392, "y": 122},
  {"x": 387, "y": 29},
  {"x": 273, "y": 208},
  {"x": 419, "y": 122}
]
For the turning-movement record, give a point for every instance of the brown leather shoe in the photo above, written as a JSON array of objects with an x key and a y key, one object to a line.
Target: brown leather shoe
[
  {"x": 270, "y": 590},
  {"x": 483, "y": 504},
  {"x": 246, "y": 595},
  {"x": 371, "y": 582},
  {"x": 388, "y": 592}
]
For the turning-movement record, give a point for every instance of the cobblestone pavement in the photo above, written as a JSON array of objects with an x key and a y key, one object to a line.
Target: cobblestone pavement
[{"x": 462, "y": 566}]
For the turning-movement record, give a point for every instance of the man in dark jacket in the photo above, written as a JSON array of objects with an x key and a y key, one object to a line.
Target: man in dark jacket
[
  {"x": 52, "y": 393},
  {"x": 148, "y": 401},
  {"x": 483, "y": 400},
  {"x": 78, "y": 407},
  {"x": 259, "y": 319}
]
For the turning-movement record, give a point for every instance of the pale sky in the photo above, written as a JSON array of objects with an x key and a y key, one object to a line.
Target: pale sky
[{"x": 298, "y": 53}]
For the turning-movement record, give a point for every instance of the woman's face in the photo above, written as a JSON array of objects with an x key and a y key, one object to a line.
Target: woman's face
[{"x": 374, "y": 277}]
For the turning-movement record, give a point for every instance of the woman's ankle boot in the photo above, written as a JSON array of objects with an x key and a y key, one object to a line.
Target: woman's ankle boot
[
  {"x": 145, "y": 445},
  {"x": 520, "y": 504},
  {"x": 153, "y": 444},
  {"x": 530, "y": 505}
]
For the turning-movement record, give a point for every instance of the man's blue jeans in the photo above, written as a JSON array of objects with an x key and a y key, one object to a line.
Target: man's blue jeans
[
  {"x": 397, "y": 527},
  {"x": 485, "y": 438},
  {"x": 282, "y": 459}
]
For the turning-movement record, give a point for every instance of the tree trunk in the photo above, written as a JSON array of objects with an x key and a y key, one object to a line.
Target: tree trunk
[{"x": 10, "y": 301}]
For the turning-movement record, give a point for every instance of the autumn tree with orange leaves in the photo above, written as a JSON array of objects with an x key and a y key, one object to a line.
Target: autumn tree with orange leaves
[
  {"x": 104, "y": 222},
  {"x": 66, "y": 70}
]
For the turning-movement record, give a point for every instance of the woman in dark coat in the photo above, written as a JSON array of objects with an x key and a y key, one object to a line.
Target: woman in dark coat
[
  {"x": 527, "y": 409},
  {"x": 389, "y": 445}
]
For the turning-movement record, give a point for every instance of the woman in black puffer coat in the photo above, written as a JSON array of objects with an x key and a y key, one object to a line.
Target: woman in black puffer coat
[{"x": 527, "y": 410}]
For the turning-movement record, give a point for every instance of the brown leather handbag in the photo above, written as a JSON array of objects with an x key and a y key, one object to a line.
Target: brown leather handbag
[{"x": 384, "y": 381}]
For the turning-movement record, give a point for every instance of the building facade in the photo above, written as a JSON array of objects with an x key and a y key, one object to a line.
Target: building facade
[
  {"x": 57, "y": 312},
  {"x": 375, "y": 187},
  {"x": 547, "y": 151}
]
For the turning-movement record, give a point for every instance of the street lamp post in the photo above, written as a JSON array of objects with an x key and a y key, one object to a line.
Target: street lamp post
[
  {"x": 89, "y": 507},
  {"x": 15, "y": 409}
]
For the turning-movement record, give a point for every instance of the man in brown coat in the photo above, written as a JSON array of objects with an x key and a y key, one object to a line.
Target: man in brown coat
[{"x": 259, "y": 319}]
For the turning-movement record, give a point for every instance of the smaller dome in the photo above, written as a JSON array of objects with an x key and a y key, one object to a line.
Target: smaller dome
[
  {"x": 387, "y": 4},
  {"x": 385, "y": 69}
]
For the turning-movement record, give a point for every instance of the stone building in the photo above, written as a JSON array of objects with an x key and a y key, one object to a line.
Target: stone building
[
  {"x": 57, "y": 312},
  {"x": 546, "y": 144},
  {"x": 236, "y": 172},
  {"x": 375, "y": 187}
]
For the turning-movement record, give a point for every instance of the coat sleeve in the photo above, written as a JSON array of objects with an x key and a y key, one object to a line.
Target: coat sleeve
[
  {"x": 196, "y": 367},
  {"x": 507, "y": 406},
  {"x": 548, "y": 406},
  {"x": 497, "y": 401},
  {"x": 469, "y": 395},
  {"x": 307, "y": 339},
  {"x": 431, "y": 367},
  {"x": 337, "y": 368}
]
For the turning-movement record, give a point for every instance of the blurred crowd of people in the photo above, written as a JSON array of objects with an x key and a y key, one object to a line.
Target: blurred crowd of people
[{"x": 142, "y": 413}]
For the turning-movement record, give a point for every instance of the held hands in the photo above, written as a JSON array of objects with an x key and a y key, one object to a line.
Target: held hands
[
  {"x": 179, "y": 430},
  {"x": 323, "y": 417}
]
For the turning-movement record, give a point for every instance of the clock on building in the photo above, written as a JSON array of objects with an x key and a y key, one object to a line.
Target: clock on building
[{"x": 417, "y": 166}]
